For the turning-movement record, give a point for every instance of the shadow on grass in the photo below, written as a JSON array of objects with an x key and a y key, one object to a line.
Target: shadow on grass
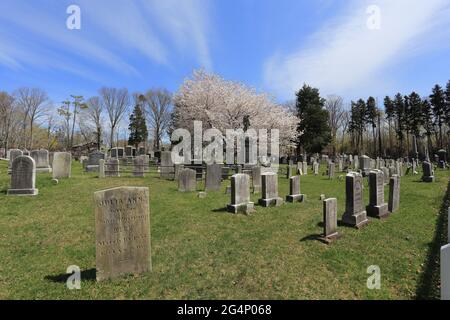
[
  {"x": 428, "y": 287},
  {"x": 86, "y": 275}
]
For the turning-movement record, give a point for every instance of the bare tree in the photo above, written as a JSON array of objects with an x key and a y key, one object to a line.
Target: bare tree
[
  {"x": 158, "y": 104},
  {"x": 34, "y": 103},
  {"x": 116, "y": 103},
  {"x": 345, "y": 121},
  {"x": 7, "y": 109},
  {"x": 335, "y": 108},
  {"x": 94, "y": 114}
]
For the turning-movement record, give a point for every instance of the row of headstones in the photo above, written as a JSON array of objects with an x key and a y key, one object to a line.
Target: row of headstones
[
  {"x": 445, "y": 265},
  {"x": 355, "y": 214},
  {"x": 240, "y": 192},
  {"x": 23, "y": 173},
  {"x": 111, "y": 167},
  {"x": 41, "y": 158}
]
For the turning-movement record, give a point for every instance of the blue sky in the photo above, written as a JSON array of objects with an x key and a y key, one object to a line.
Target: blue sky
[{"x": 274, "y": 46}]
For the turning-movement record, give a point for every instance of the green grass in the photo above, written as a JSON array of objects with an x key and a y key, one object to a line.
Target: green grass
[{"x": 201, "y": 252}]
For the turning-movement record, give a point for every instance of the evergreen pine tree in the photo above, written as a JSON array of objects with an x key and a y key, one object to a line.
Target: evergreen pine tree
[
  {"x": 437, "y": 100},
  {"x": 313, "y": 127},
  {"x": 137, "y": 127}
]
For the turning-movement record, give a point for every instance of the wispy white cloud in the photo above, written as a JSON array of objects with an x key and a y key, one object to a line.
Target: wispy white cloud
[
  {"x": 187, "y": 23},
  {"x": 112, "y": 34},
  {"x": 345, "y": 55}
]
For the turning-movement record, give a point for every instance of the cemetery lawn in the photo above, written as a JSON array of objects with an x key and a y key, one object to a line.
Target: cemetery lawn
[{"x": 201, "y": 252}]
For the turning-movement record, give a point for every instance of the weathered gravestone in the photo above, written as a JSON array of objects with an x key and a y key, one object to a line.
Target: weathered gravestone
[
  {"x": 122, "y": 232},
  {"x": 93, "y": 161},
  {"x": 51, "y": 156},
  {"x": 139, "y": 166},
  {"x": 365, "y": 165},
  {"x": 187, "y": 180},
  {"x": 428, "y": 172},
  {"x": 354, "y": 214},
  {"x": 213, "y": 177},
  {"x": 316, "y": 168},
  {"x": 42, "y": 161},
  {"x": 331, "y": 169},
  {"x": 385, "y": 175},
  {"x": 112, "y": 168},
  {"x": 294, "y": 190},
  {"x": 256, "y": 179},
  {"x": 13, "y": 154},
  {"x": 23, "y": 177},
  {"x": 167, "y": 167},
  {"x": 394, "y": 193},
  {"x": 445, "y": 272},
  {"x": 101, "y": 168},
  {"x": 177, "y": 169},
  {"x": 330, "y": 232},
  {"x": 305, "y": 168},
  {"x": 377, "y": 207},
  {"x": 240, "y": 194},
  {"x": 62, "y": 165},
  {"x": 270, "y": 190}
]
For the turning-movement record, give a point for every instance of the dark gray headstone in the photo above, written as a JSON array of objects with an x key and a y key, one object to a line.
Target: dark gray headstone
[
  {"x": 354, "y": 213},
  {"x": 213, "y": 177},
  {"x": 394, "y": 193},
  {"x": 377, "y": 207},
  {"x": 428, "y": 172},
  {"x": 23, "y": 177},
  {"x": 294, "y": 190},
  {"x": 112, "y": 168}
]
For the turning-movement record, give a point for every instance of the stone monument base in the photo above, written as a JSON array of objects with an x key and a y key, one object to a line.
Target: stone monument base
[
  {"x": 92, "y": 168},
  {"x": 244, "y": 208},
  {"x": 378, "y": 211},
  {"x": 357, "y": 220},
  {"x": 271, "y": 202},
  {"x": 44, "y": 170},
  {"x": 331, "y": 238},
  {"x": 428, "y": 179},
  {"x": 295, "y": 198},
  {"x": 23, "y": 192}
]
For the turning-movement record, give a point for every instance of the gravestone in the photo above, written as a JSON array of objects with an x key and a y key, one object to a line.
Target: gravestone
[
  {"x": 428, "y": 172},
  {"x": 354, "y": 213},
  {"x": 13, "y": 154},
  {"x": 101, "y": 168},
  {"x": 167, "y": 167},
  {"x": 385, "y": 175},
  {"x": 122, "y": 232},
  {"x": 331, "y": 168},
  {"x": 23, "y": 177},
  {"x": 356, "y": 162},
  {"x": 42, "y": 161},
  {"x": 62, "y": 165},
  {"x": 139, "y": 166},
  {"x": 256, "y": 179},
  {"x": 294, "y": 190},
  {"x": 316, "y": 168},
  {"x": 330, "y": 232},
  {"x": 270, "y": 190},
  {"x": 187, "y": 181},
  {"x": 305, "y": 168},
  {"x": 377, "y": 207},
  {"x": 213, "y": 177},
  {"x": 394, "y": 193},
  {"x": 340, "y": 165},
  {"x": 112, "y": 168},
  {"x": 177, "y": 169},
  {"x": 240, "y": 194},
  {"x": 445, "y": 272},
  {"x": 365, "y": 165},
  {"x": 93, "y": 161},
  {"x": 442, "y": 158}
]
